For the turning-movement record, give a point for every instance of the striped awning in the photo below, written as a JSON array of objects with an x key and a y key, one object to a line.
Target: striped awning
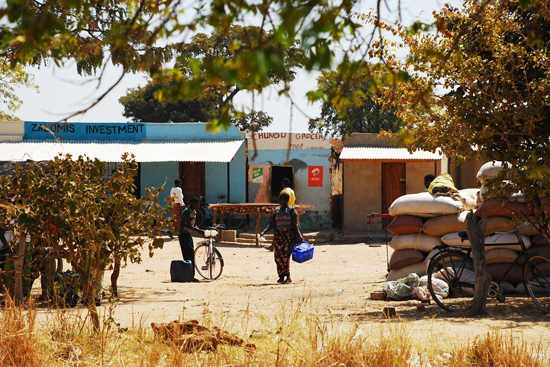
[
  {"x": 364, "y": 153},
  {"x": 144, "y": 151}
]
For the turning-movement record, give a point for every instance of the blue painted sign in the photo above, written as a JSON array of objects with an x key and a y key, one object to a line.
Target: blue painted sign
[{"x": 84, "y": 131}]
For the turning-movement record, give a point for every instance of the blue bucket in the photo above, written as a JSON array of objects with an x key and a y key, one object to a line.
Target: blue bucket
[{"x": 303, "y": 252}]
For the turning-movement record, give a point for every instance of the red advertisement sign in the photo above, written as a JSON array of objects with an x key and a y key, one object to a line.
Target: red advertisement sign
[{"x": 315, "y": 176}]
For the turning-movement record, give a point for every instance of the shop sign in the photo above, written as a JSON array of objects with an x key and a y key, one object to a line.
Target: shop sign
[
  {"x": 315, "y": 176},
  {"x": 84, "y": 131},
  {"x": 258, "y": 174}
]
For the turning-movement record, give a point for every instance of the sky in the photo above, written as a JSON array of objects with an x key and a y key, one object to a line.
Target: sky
[{"x": 63, "y": 91}]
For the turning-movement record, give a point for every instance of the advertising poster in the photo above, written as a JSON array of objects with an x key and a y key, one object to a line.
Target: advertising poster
[
  {"x": 315, "y": 176},
  {"x": 258, "y": 174}
]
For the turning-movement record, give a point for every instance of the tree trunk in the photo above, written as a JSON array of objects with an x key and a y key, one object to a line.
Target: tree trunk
[
  {"x": 114, "y": 277},
  {"x": 476, "y": 234},
  {"x": 18, "y": 264}
]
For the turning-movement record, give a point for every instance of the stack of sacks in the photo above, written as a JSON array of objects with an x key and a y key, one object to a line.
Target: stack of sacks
[
  {"x": 499, "y": 219},
  {"x": 421, "y": 220}
]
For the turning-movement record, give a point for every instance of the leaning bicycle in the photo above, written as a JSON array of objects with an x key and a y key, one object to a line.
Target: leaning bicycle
[
  {"x": 454, "y": 267},
  {"x": 205, "y": 216},
  {"x": 208, "y": 260}
]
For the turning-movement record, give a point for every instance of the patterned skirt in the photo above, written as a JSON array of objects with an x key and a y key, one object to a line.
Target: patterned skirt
[
  {"x": 283, "y": 241},
  {"x": 176, "y": 219}
]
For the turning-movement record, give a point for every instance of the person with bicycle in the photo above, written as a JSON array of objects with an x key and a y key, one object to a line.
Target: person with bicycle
[
  {"x": 187, "y": 226},
  {"x": 285, "y": 222}
]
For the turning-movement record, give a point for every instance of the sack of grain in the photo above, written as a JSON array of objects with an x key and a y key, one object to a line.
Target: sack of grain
[
  {"x": 489, "y": 171},
  {"x": 425, "y": 205},
  {"x": 498, "y": 224},
  {"x": 500, "y": 256},
  {"x": 499, "y": 208},
  {"x": 543, "y": 250},
  {"x": 540, "y": 240},
  {"x": 418, "y": 269},
  {"x": 401, "y": 258},
  {"x": 497, "y": 272},
  {"x": 529, "y": 231},
  {"x": 470, "y": 198},
  {"x": 405, "y": 224},
  {"x": 439, "y": 226},
  {"x": 500, "y": 240},
  {"x": 420, "y": 242},
  {"x": 453, "y": 239}
]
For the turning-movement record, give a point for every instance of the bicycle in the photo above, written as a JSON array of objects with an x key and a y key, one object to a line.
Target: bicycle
[
  {"x": 205, "y": 216},
  {"x": 208, "y": 260},
  {"x": 455, "y": 267}
]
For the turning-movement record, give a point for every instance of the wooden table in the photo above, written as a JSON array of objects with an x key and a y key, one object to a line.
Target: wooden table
[{"x": 254, "y": 209}]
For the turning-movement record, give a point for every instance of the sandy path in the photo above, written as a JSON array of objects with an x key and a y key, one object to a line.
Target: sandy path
[{"x": 336, "y": 284}]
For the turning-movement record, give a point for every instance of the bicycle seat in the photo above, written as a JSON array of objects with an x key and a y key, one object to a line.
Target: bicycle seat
[
  {"x": 221, "y": 197},
  {"x": 217, "y": 226},
  {"x": 463, "y": 235}
]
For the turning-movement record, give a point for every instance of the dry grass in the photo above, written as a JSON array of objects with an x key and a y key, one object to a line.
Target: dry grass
[{"x": 296, "y": 337}]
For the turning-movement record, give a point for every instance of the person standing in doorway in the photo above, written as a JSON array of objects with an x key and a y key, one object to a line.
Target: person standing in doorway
[
  {"x": 285, "y": 222},
  {"x": 187, "y": 226},
  {"x": 177, "y": 205}
]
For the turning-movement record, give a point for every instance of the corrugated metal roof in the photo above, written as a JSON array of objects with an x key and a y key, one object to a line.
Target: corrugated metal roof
[
  {"x": 144, "y": 151},
  {"x": 386, "y": 153}
]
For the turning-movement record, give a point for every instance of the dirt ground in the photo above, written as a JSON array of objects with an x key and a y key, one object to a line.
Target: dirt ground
[{"x": 336, "y": 284}]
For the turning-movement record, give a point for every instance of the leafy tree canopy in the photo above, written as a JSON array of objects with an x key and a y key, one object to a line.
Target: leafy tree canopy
[
  {"x": 480, "y": 89},
  {"x": 10, "y": 79},
  {"x": 139, "y": 35},
  {"x": 167, "y": 98},
  {"x": 354, "y": 109},
  {"x": 141, "y": 105},
  {"x": 100, "y": 221}
]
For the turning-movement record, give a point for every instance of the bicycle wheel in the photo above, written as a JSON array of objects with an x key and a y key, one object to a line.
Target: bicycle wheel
[
  {"x": 536, "y": 279},
  {"x": 232, "y": 221},
  {"x": 199, "y": 219},
  {"x": 208, "y": 265},
  {"x": 456, "y": 270}
]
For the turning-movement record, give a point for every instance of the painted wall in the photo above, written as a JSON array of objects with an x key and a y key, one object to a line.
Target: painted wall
[
  {"x": 362, "y": 194},
  {"x": 216, "y": 179},
  {"x": 363, "y": 190},
  {"x": 154, "y": 174},
  {"x": 299, "y": 151},
  {"x": 415, "y": 172},
  {"x": 188, "y": 131},
  {"x": 12, "y": 130}
]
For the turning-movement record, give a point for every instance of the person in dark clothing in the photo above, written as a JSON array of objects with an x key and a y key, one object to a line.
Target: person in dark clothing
[{"x": 187, "y": 226}]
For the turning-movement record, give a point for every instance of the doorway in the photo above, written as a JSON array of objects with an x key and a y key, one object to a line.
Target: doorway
[
  {"x": 277, "y": 175},
  {"x": 394, "y": 185},
  {"x": 193, "y": 179}
]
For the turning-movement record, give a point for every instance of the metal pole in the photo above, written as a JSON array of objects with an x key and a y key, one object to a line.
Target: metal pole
[{"x": 228, "y": 182}]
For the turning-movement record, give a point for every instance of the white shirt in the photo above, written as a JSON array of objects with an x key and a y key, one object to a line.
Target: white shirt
[{"x": 177, "y": 195}]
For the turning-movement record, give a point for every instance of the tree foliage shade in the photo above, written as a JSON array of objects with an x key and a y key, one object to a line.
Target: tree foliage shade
[
  {"x": 11, "y": 78},
  {"x": 172, "y": 97},
  {"x": 100, "y": 221},
  {"x": 144, "y": 35},
  {"x": 481, "y": 89},
  {"x": 141, "y": 105},
  {"x": 354, "y": 109}
]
